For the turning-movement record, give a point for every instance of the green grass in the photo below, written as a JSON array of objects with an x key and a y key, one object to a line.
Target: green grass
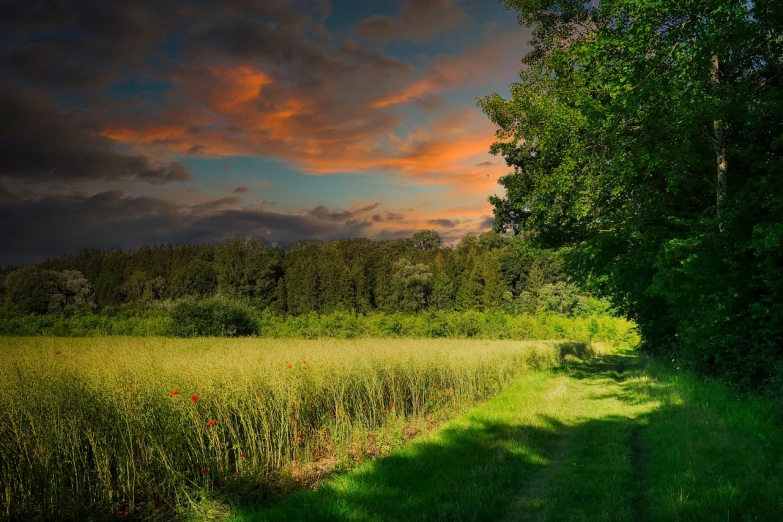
[
  {"x": 615, "y": 438},
  {"x": 101, "y": 426}
]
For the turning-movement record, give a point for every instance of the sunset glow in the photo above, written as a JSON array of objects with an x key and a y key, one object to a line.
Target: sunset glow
[{"x": 236, "y": 107}]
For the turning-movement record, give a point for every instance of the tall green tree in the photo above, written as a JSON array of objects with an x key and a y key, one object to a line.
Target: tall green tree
[{"x": 646, "y": 142}]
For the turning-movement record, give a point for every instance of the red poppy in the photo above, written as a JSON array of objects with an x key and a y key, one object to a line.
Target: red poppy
[
  {"x": 347, "y": 416},
  {"x": 290, "y": 366},
  {"x": 210, "y": 423},
  {"x": 174, "y": 393},
  {"x": 243, "y": 455},
  {"x": 299, "y": 439},
  {"x": 432, "y": 397},
  {"x": 58, "y": 352},
  {"x": 194, "y": 398},
  {"x": 223, "y": 466},
  {"x": 203, "y": 470},
  {"x": 384, "y": 410},
  {"x": 304, "y": 362}
]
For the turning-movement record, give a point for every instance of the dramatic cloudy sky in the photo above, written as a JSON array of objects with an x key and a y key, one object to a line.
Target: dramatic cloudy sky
[{"x": 147, "y": 121}]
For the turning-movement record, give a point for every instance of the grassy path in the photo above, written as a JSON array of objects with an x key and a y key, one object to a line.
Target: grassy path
[{"x": 611, "y": 439}]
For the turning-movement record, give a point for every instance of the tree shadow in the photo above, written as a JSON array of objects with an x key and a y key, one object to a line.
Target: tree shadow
[
  {"x": 468, "y": 473},
  {"x": 616, "y": 467}
]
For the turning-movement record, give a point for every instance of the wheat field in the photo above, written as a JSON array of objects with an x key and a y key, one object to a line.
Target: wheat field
[{"x": 153, "y": 427}]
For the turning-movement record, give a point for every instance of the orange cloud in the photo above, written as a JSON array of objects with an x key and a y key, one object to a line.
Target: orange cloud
[
  {"x": 245, "y": 111},
  {"x": 239, "y": 85}
]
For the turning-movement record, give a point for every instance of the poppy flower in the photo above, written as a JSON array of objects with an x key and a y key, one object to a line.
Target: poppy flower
[
  {"x": 347, "y": 416},
  {"x": 194, "y": 398},
  {"x": 58, "y": 352},
  {"x": 432, "y": 397},
  {"x": 243, "y": 455},
  {"x": 174, "y": 393},
  {"x": 290, "y": 366},
  {"x": 210, "y": 423},
  {"x": 223, "y": 466},
  {"x": 203, "y": 470},
  {"x": 125, "y": 512},
  {"x": 384, "y": 410},
  {"x": 299, "y": 438},
  {"x": 304, "y": 362}
]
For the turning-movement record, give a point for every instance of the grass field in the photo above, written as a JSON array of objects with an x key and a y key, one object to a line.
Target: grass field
[
  {"x": 162, "y": 428},
  {"x": 257, "y": 430},
  {"x": 614, "y": 439}
]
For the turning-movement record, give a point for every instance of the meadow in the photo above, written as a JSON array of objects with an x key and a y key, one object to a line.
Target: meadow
[
  {"x": 619, "y": 438},
  {"x": 110, "y": 427}
]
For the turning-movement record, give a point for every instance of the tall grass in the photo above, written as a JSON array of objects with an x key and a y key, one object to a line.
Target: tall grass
[{"x": 144, "y": 426}]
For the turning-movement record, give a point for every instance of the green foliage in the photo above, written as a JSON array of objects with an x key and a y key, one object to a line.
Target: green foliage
[
  {"x": 32, "y": 290},
  {"x": 88, "y": 324},
  {"x": 213, "y": 317},
  {"x": 617, "y": 131},
  {"x": 454, "y": 325},
  {"x": 248, "y": 268},
  {"x": 412, "y": 286}
]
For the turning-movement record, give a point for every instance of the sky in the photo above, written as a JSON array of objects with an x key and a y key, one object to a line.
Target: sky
[{"x": 156, "y": 121}]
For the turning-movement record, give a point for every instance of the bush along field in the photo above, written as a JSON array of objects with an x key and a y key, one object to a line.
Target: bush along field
[
  {"x": 219, "y": 317},
  {"x": 109, "y": 427}
]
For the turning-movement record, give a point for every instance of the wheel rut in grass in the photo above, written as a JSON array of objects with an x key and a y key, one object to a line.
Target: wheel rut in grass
[{"x": 596, "y": 464}]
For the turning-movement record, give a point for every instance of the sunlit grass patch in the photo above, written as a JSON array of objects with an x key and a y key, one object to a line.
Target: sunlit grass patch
[
  {"x": 614, "y": 438},
  {"x": 109, "y": 426}
]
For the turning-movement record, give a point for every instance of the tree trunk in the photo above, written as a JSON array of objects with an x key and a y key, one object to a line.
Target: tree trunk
[{"x": 719, "y": 144}]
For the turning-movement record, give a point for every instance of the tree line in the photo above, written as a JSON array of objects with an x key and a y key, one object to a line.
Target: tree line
[
  {"x": 646, "y": 141},
  {"x": 487, "y": 272}
]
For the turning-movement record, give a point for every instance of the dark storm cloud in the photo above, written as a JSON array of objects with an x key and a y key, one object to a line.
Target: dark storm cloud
[
  {"x": 416, "y": 20},
  {"x": 216, "y": 204},
  {"x": 38, "y": 143},
  {"x": 79, "y": 43},
  {"x": 445, "y": 223},
  {"x": 323, "y": 213},
  {"x": 487, "y": 223},
  {"x": 241, "y": 190},
  {"x": 52, "y": 225},
  {"x": 385, "y": 235},
  {"x": 196, "y": 150}
]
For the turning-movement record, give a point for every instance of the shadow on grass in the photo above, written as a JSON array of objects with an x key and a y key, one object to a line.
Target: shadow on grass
[
  {"x": 467, "y": 474},
  {"x": 677, "y": 460}
]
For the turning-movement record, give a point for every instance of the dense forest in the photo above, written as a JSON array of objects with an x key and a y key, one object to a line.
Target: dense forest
[
  {"x": 486, "y": 272},
  {"x": 646, "y": 139}
]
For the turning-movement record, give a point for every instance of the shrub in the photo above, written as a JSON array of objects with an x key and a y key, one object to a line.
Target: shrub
[{"x": 215, "y": 317}]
